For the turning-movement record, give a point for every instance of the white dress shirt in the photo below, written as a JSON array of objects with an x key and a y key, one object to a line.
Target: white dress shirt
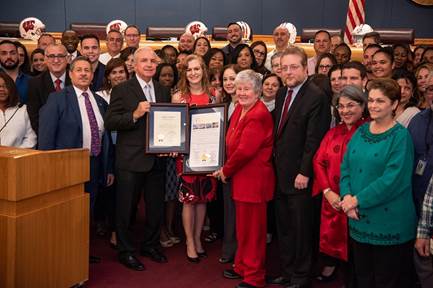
[
  {"x": 62, "y": 78},
  {"x": 87, "y": 136},
  {"x": 151, "y": 95},
  {"x": 17, "y": 132},
  {"x": 105, "y": 57}
]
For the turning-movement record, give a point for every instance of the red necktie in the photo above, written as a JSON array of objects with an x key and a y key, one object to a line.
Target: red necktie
[
  {"x": 58, "y": 87},
  {"x": 285, "y": 112},
  {"x": 95, "y": 143}
]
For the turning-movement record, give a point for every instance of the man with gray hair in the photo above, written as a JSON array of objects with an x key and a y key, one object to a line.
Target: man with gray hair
[
  {"x": 281, "y": 36},
  {"x": 137, "y": 171},
  {"x": 54, "y": 79}
]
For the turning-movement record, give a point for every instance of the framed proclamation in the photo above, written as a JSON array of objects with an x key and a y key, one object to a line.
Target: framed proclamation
[
  {"x": 167, "y": 128},
  {"x": 206, "y": 139}
]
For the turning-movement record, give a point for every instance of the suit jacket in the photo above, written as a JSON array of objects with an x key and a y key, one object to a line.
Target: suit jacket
[
  {"x": 249, "y": 154},
  {"x": 61, "y": 126},
  {"x": 308, "y": 120},
  {"x": 131, "y": 136},
  {"x": 39, "y": 89}
]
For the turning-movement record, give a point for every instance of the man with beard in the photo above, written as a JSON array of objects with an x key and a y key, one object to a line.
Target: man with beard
[
  {"x": 234, "y": 36},
  {"x": 186, "y": 43},
  {"x": 302, "y": 117},
  {"x": 367, "y": 58},
  {"x": 9, "y": 64},
  {"x": 91, "y": 49},
  {"x": 70, "y": 41},
  {"x": 281, "y": 38},
  {"x": 322, "y": 44}
]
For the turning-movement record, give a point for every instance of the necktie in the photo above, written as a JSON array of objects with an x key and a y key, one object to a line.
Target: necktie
[
  {"x": 285, "y": 113},
  {"x": 57, "y": 86},
  {"x": 148, "y": 93},
  {"x": 95, "y": 144}
]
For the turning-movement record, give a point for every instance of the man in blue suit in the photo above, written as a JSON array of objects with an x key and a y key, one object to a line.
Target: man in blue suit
[{"x": 73, "y": 118}]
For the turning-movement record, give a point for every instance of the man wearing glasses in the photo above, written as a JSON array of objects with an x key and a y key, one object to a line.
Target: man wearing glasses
[
  {"x": 132, "y": 36},
  {"x": 53, "y": 79},
  {"x": 114, "y": 45}
]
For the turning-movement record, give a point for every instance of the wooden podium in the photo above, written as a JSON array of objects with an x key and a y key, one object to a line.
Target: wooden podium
[{"x": 44, "y": 218}]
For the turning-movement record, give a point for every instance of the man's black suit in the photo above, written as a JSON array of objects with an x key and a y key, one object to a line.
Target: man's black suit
[
  {"x": 39, "y": 89},
  {"x": 136, "y": 171},
  {"x": 307, "y": 122}
]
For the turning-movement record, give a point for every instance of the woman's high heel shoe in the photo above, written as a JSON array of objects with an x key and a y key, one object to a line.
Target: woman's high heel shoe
[{"x": 194, "y": 260}]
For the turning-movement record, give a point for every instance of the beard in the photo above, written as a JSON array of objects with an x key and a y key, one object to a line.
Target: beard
[{"x": 8, "y": 65}]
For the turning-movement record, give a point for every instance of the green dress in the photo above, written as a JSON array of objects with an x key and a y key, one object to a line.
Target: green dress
[{"x": 377, "y": 169}]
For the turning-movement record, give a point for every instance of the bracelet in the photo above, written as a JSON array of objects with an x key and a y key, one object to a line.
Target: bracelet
[{"x": 326, "y": 191}]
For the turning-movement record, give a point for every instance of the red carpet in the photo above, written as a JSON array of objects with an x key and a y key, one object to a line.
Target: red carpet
[{"x": 176, "y": 273}]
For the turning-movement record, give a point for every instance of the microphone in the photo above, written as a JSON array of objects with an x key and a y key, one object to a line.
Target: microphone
[{"x": 15, "y": 112}]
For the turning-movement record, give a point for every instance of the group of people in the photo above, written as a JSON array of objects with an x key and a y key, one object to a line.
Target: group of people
[{"x": 334, "y": 153}]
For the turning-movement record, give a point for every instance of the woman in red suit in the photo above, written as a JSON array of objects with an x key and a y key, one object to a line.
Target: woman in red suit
[
  {"x": 350, "y": 104},
  {"x": 249, "y": 144}
]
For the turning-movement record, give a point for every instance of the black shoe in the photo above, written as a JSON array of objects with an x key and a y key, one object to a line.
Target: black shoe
[
  {"x": 279, "y": 280},
  {"x": 224, "y": 260},
  {"x": 113, "y": 246},
  {"x": 298, "y": 286},
  {"x": 202, "y": 255},
  {"x": 231, "y": 274},
  {"x": 245, "y": 285},
  {"x": 94, "y": 259},
  {"x": 154, "y": 255},
  {"x": 131, "y": 262},
  {"x": 194, "y": 260}
]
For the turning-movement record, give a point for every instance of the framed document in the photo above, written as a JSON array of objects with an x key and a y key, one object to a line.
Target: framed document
[
  {"x": 206, "y": 139},
  {"x": 167, "y": 128}
]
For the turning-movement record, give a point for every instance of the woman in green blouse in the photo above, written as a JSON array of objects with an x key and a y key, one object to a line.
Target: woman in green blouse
[{"x": 377, "y": 197}]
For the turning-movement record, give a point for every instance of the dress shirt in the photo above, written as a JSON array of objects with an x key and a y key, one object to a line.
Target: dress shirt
[
  {"x": 425, "y": 224},
  {"x": 62, "y": 78},
  {"x": 312, "y": 61},
  {"x": 73, "y": 55},
  {"x": 151, "y": 97},
  {"x": 18, "y": 132},
  {"x": 105, "y": 57},
  {"x": 87, "y": 137}
]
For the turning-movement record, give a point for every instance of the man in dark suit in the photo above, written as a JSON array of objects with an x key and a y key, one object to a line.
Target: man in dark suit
[
  {"x": 234, "y": 36},
  {"x": 53, "y": 79},
  {"x": 137, "y": 171},
  {"x": 73, "y": 118},
  {"x": 302, "y": 117},
  {"x": 90, "y": 48}
]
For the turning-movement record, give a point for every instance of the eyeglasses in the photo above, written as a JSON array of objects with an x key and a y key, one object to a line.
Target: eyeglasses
[
  {"x": 259, "y": 52},
  {"x": 349, "y": 106},
  {"x": 290, "y": 67},
  {"x": 54, "y": 56},
  {"x": 324, "y": 66}
]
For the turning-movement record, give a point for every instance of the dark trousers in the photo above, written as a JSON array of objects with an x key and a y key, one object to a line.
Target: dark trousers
[
  {"x": 294, "y": 226},
  {"x": 229, "y": 239},
  {"x": 92, "y": 186},
  {"x": 380, "y": 266},
  {"x": 131, "y": 184},
  {"x": 424, "y": 269}
]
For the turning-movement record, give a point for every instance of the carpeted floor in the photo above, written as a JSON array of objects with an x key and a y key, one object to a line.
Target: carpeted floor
[{"x": 176, "y": 273}]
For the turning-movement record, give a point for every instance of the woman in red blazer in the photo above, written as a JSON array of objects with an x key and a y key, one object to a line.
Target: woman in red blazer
[{"x": 249, "y": 144}]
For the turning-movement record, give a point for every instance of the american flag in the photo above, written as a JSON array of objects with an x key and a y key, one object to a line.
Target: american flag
[{"x": 355, "y": 17}]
